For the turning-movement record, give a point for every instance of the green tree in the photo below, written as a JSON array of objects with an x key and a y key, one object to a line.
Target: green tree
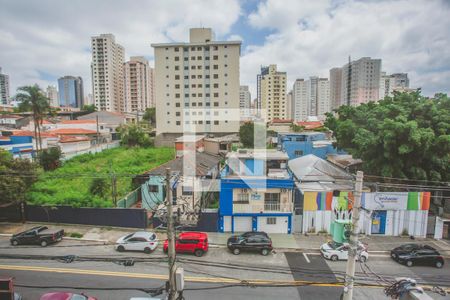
[
  {"x": 134, "y": 135},
  {"x": 297, "y": 128},
  {"x": 247, "y": 133},
  {"x": 90, "y": 108},
  {"x": 99, "y": 187},
  {"x": 32, "y": 98},
  {"x": 50, "y": 159},
  {"x": 150, "y": 116},
  {"x": 404, "y": 136},
  {"x": 16, "y": 177}
]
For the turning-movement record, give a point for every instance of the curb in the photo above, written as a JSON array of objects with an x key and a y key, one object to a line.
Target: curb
[{"x": 67, "y": 238}]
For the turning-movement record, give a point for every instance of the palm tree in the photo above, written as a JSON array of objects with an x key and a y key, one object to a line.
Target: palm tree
[{"x": 34, "y": 99}]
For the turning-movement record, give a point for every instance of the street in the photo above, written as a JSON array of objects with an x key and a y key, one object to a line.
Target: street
[{"x": 217, "y": 273}]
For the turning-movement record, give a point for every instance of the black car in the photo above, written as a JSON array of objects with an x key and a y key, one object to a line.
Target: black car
[
  {"x": 250, "y": 241},
  {"x": 39, "y": 235},
  {"x": 416, "y": 254}
]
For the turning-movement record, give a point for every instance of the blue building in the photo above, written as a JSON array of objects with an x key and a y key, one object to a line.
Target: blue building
[
  {"x": 297, "y": 144},
  {"x": 256, "y": 192},
  {"x": 70, "y": 91},
  {"x": 18, "y": 146}
]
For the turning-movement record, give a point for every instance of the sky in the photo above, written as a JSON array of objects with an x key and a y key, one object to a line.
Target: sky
[{"x": 43, "y": 40}]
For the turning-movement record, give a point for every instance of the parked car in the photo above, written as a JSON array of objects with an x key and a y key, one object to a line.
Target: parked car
[
  {"x": 190, "y": 242},
  {"x": 65, "y": 296},
  {"x": 40, "y": 235},
  {"x": 338, "y": 251},
  {"x": 250, "y": 241},
  {"x": 416, "y": 254},
  {"x": 138, "y": 241}
]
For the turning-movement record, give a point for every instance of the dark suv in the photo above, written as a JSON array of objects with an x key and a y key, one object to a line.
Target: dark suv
[{"x": 250, "y": 241}]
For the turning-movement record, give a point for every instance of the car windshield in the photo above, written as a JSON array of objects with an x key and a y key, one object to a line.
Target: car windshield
[
  {"x": 334, "y": 245},
  {"x": 409, "y": 247},
  {"x": 128, "y": 236}
]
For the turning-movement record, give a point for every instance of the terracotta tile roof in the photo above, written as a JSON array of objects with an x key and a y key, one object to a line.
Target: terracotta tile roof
[
  {"x": 78, "y": 122},
  {"x": 73, "y": 139},
  {"x": 31, "y": 133},
  {"x": 281, "y": 121},
  {"x": 72, "y": 131},
  {"x": 10, "y": 117},
  {"x": 311, "y": 124}
]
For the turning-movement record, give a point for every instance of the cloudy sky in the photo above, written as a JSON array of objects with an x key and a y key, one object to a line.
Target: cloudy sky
[{"x": 43, "y": 40}]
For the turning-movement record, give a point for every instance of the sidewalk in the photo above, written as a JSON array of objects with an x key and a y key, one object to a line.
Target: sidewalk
[{"x": 217, "y": 239}]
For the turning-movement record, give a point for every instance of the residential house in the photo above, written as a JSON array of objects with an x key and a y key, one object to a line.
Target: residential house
[
  {"x": 110, "y": 120},
  {"x": 220, "y": 145},
  {"x": 189, "y": 142},
  {"x": 280, "y": 125},
  {"x": 11, "y": 121},
  {"x": 297, "y": 144},
  {"x": 192, "y": 179},
  {"x": 70, "y": 144},
  {"x": 18, "y": 146},
  {"x": 256, "y": 192}
]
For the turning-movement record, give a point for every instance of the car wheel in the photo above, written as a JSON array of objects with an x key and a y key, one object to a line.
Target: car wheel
[
  {"x": 147, "y": 250},
  {"x": 439, "y": 264},
  {"x": 198, "y": 252},
  {"x": 362, "y": 259},
  {"x": 44, "y": 243},
  {"x": 15, "y": 242},
  {"x": 334, "y": 257},
  {"x": 236, "y": 251},
  {"x": 120, "y": 249},
  {"x": 265, "y": 252},
  {"x": 409, "y": 263}
]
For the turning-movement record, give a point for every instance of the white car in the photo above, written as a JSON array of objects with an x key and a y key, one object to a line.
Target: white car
[
  {"x": 336, "y": 251},
  {"x": 138, "y": 241}
]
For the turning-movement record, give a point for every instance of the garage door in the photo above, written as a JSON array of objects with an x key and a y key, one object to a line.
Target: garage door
[
  {"x": 273, "y": 224},
  {"x": 242, "y": 224},
  {"x": 227, "y": 224}
]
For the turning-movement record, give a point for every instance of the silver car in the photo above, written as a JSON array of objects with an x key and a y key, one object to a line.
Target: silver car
[{"x": 138, "y": 241}]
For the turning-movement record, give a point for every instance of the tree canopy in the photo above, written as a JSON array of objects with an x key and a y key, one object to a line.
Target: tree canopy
[
  {"x": 404, "y": 136},
  {"x": 90, "y": 108},
  {"x": 134, "y": 135},
  {"x": 150, "y": 116},
  {"x": 247, "y": 133}
]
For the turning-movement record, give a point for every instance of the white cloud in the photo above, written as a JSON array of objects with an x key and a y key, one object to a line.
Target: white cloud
[
  {"x": 53, "y": 36},
  {"x": 310, "y": 37}
]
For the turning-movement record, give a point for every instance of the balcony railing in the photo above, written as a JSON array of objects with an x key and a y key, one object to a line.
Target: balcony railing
[{"x": 263, "y": 207}]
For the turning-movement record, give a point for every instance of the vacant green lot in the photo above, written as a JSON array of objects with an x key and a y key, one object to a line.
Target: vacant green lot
[{"x": 69, "y": 185}]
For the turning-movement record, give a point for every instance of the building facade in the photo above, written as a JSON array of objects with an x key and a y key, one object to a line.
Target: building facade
[
  {"x": 273, "y": 94},
  {"x": 197, "y": 85},
  {"x": 244, "y": 100},
  {"x": 71, "y": 91},
  {"x": 256, "y": 192},
  {"x": 393, "y": 82},
  {"x": 336, "y": 88},
  {"x": 359, "y": 82},
  {"x": 52, "y": 95},
  {"x": 311, "y": 98},
  {"x": 304, "y": 143},
  {"x": 138, "y": 80},
  {"x": 108, "y": 58},
  {"x": 4, "y": 88}
]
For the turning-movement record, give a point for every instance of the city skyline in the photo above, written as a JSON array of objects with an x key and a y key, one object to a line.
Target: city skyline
[{"x": 320, "y": 34}]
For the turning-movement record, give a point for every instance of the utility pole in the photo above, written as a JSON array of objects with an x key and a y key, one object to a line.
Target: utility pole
[
  {"x": 171, "y": 239},
  {"x": 352, "y": 252}
]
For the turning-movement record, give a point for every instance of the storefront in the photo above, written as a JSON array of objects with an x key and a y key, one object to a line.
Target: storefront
[{"x": 387, "y": 213}]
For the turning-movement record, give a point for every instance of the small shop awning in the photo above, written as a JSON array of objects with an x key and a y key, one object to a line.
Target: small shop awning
[{"x": 317, "y": 186}]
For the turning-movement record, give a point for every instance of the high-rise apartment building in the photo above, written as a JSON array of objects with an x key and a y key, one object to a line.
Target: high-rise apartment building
[
  {"x": 393, "y": 82},
  {"x": 197, "y": 86},
  {"x": 108, "y": 58},
  {"x": 258, "y": 103},
  {"x": 360, "y": 82},
  {"x": 4, "y": 88},
  {"x": 336, "y": 88},
  {"x": 244, "y": 100},
  {"x": 138, "y": 80},
  {"x": 290, "y": 105},
  {"x": 52, "y": 95},
  {"x": 71, "y": 91},
  {"x": 311, "y": 98},
  {"x": 273, "y": 93}
]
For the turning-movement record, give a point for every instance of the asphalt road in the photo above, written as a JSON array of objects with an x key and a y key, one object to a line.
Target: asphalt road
[{"x": 211, "y": 276}]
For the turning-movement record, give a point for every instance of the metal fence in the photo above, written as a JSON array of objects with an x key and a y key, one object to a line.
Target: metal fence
[{"x": 130, "y": 199}]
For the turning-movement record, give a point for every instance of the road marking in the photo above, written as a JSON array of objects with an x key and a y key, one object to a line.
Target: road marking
[{"x": 306, "y": 257}]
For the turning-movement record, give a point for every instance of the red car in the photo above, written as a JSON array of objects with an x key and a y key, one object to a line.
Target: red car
[
  {"x": 190, "y": 242},
  {"x": 65, "y": 296}
]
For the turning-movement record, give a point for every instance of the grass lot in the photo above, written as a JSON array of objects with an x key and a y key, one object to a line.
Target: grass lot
[{"x": 69, "y": 184}]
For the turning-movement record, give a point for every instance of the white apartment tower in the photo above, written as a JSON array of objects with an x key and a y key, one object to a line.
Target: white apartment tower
[
  {"x": 52, "y": 95},
  {"x": 4, "y": 88},
  {"x": 311, "y": 98},
  {"x": 138, "y": 80},
  {"x": 360, "y": 81},
  {"x": 244, "y": 100},
  {"x": 196, "y": 86},
  {"x": 393, "y": 82},
  {"x": 108, "y": 58},
  {"x": 290, "y": 105},
  {"x": 335, "y": 88},
  {"x": 272, "y": 87}
]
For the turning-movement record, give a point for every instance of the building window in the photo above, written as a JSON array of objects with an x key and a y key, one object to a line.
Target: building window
[
  {"x": 216, "y": 95},
  {"x": 178, "y": 123},
  {"x": 177, "y": 95},
  {"x": 177, "y": 58},
  {"x": 177, "y": 77},
  {"x": 298, "y": 153},
  {"x": 215, "y": 67},
  {"x": 177, "y": 104},
  {"x": 216, "y": 103},
  {"x": 216, "y": 76},
  {"x": 241, "y": 199},
  {"x": 215, "y": 57},
  {"x": 177, "y": 114},
  {"x": 177, "y": 68},
  {"x": 153, "y": 188},
  {"x": 216, "y": 122},
  {"x": 271, "y": 221}
]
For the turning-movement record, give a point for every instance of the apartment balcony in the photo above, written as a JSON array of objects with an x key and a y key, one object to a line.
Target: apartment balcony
[{"x": 263, "y": 207}]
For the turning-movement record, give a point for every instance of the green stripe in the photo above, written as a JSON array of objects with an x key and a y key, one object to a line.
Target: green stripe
[{"x": 413, "y": 201}]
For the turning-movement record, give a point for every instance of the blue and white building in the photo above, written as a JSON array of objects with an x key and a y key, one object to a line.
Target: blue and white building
[
  {"x": 297, "y": 144},
  {"x": 18, "y": 146},
  {"x": 256, "y": 192}
]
